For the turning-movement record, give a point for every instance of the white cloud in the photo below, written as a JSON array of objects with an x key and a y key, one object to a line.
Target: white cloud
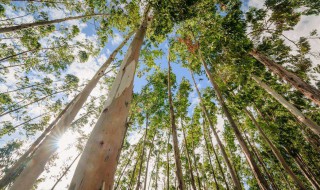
[{"x": 117, "y": 39}]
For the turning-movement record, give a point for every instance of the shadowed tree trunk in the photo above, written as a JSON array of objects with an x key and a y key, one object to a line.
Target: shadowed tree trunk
[
  {"x": 168, "y": 162},
  {"x": 291, "y": 108},
  {"x": 44, "y": 149},
  {"x": 275, "y": 151},
  {"x": 303, "y": 169},
  {"x": 188, "y": 158},
  {"x": 142, "y": 155},
  {"x": 99, "y": 160},
  {"x": 309, "y": 91},
  {"x": 219, "y": 164},
  {"x": 147, "y": 166},
  {"x": 253, "y": 165},
  {"x": 260, "y": 160},
  {"x": 174, "y": 133},
  {"x": 195, "y": 161},
  {"x": 209, "y": 156},
  {"x": 124, "y": 169},
  {"x": 44, "y": 23},
  {"x": 236, "y": 181}
]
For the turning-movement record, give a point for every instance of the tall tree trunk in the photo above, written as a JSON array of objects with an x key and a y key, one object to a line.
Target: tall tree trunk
[
  {"x": 168, "y": 162},
  {"x": 143, "y": 150},
  {"x": 147, "y": 166},
  {"x": 276, "y": 151},
  {"x": 44, "y": 23},
  {"x": 134, "y": 171},
  {"x": 291, "y": 108},
  {"x": 219, "y": 164},
  {"x": 304, "y": 171},
  {"x": 157, "y": 170},
  {"x": 125, "y": 167},
  {"x": 174, "y": 133},
  {"x": 43, "y": 145},
  {"x": 309, "y": 91},
  {"x": 193, "y": 184},
  {"x": 66, "y": 171},
  {"x": 253, "y": 165},
  {"x": 209, "y": 156},
  {"x": 260, "y": 160},
  {"x": 99, "y": 160},
  {"x": 195, "y": 161},
  {"x": 235, "y": 179}
]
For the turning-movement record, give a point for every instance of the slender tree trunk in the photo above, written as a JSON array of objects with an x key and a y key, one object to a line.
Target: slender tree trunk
[
  {"x": 219, "y": 164},
  {"x": 142, "y": 155},
  {"x": 99, "y": 160},
  {"x": 209, "y": 156},
  {"x": 276, "y": 152},
  {"x": 66, "y": 171},
  {"x": 57, "y": 128},
  {"x": 195, "y": 161},
  {"x": 304, "y": 171},
  {"x": 253, "y": 165},
  {"x": 147, "y": 166},
  {"x": 168, "y": 163},
  {"x": 236, "y": 181},
  {"x": 188, "y": 158},
  {"x": 157, "y": 171},
  {"x": 309, "y": 91},
  {"x": 125, "y": 167},
  {"x": 291, "y": 108},
  {"x": 174, "y": 134},
  {"x": 134, "y": 171},
  {"x": 260, "y": 160},
  {"x": 44, "y": 23},
  {"x": 28, "y": 104}
]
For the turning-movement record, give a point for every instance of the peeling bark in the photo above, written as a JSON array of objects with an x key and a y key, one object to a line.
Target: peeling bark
[
  {"x": 98, "y": 162},
  {"x": 309, "y": 91}
]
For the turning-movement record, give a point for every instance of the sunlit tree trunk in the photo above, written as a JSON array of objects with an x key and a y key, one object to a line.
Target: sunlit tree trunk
[
  {"x": 309, "y": 91},
  {"x": 174, "y": 134},
  {"x": 291, "y": 108},
  {"x": 99, "y": 160},
  {"x": 157, "y": 170},
  {"x": 236, "y": 181},
  {"x": 44, "y": 23},
  {"x": 188, "y": 158},
  {"x": 253, "y": 165},
  {"x": 46, "y": 143},
  {"x": 276, "y": 151}
]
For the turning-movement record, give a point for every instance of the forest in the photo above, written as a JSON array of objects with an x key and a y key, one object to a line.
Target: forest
[{"x": 160, "y": 94}]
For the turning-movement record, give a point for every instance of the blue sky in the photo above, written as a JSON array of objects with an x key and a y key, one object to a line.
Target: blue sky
[{"x": 86, "y": 70}]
